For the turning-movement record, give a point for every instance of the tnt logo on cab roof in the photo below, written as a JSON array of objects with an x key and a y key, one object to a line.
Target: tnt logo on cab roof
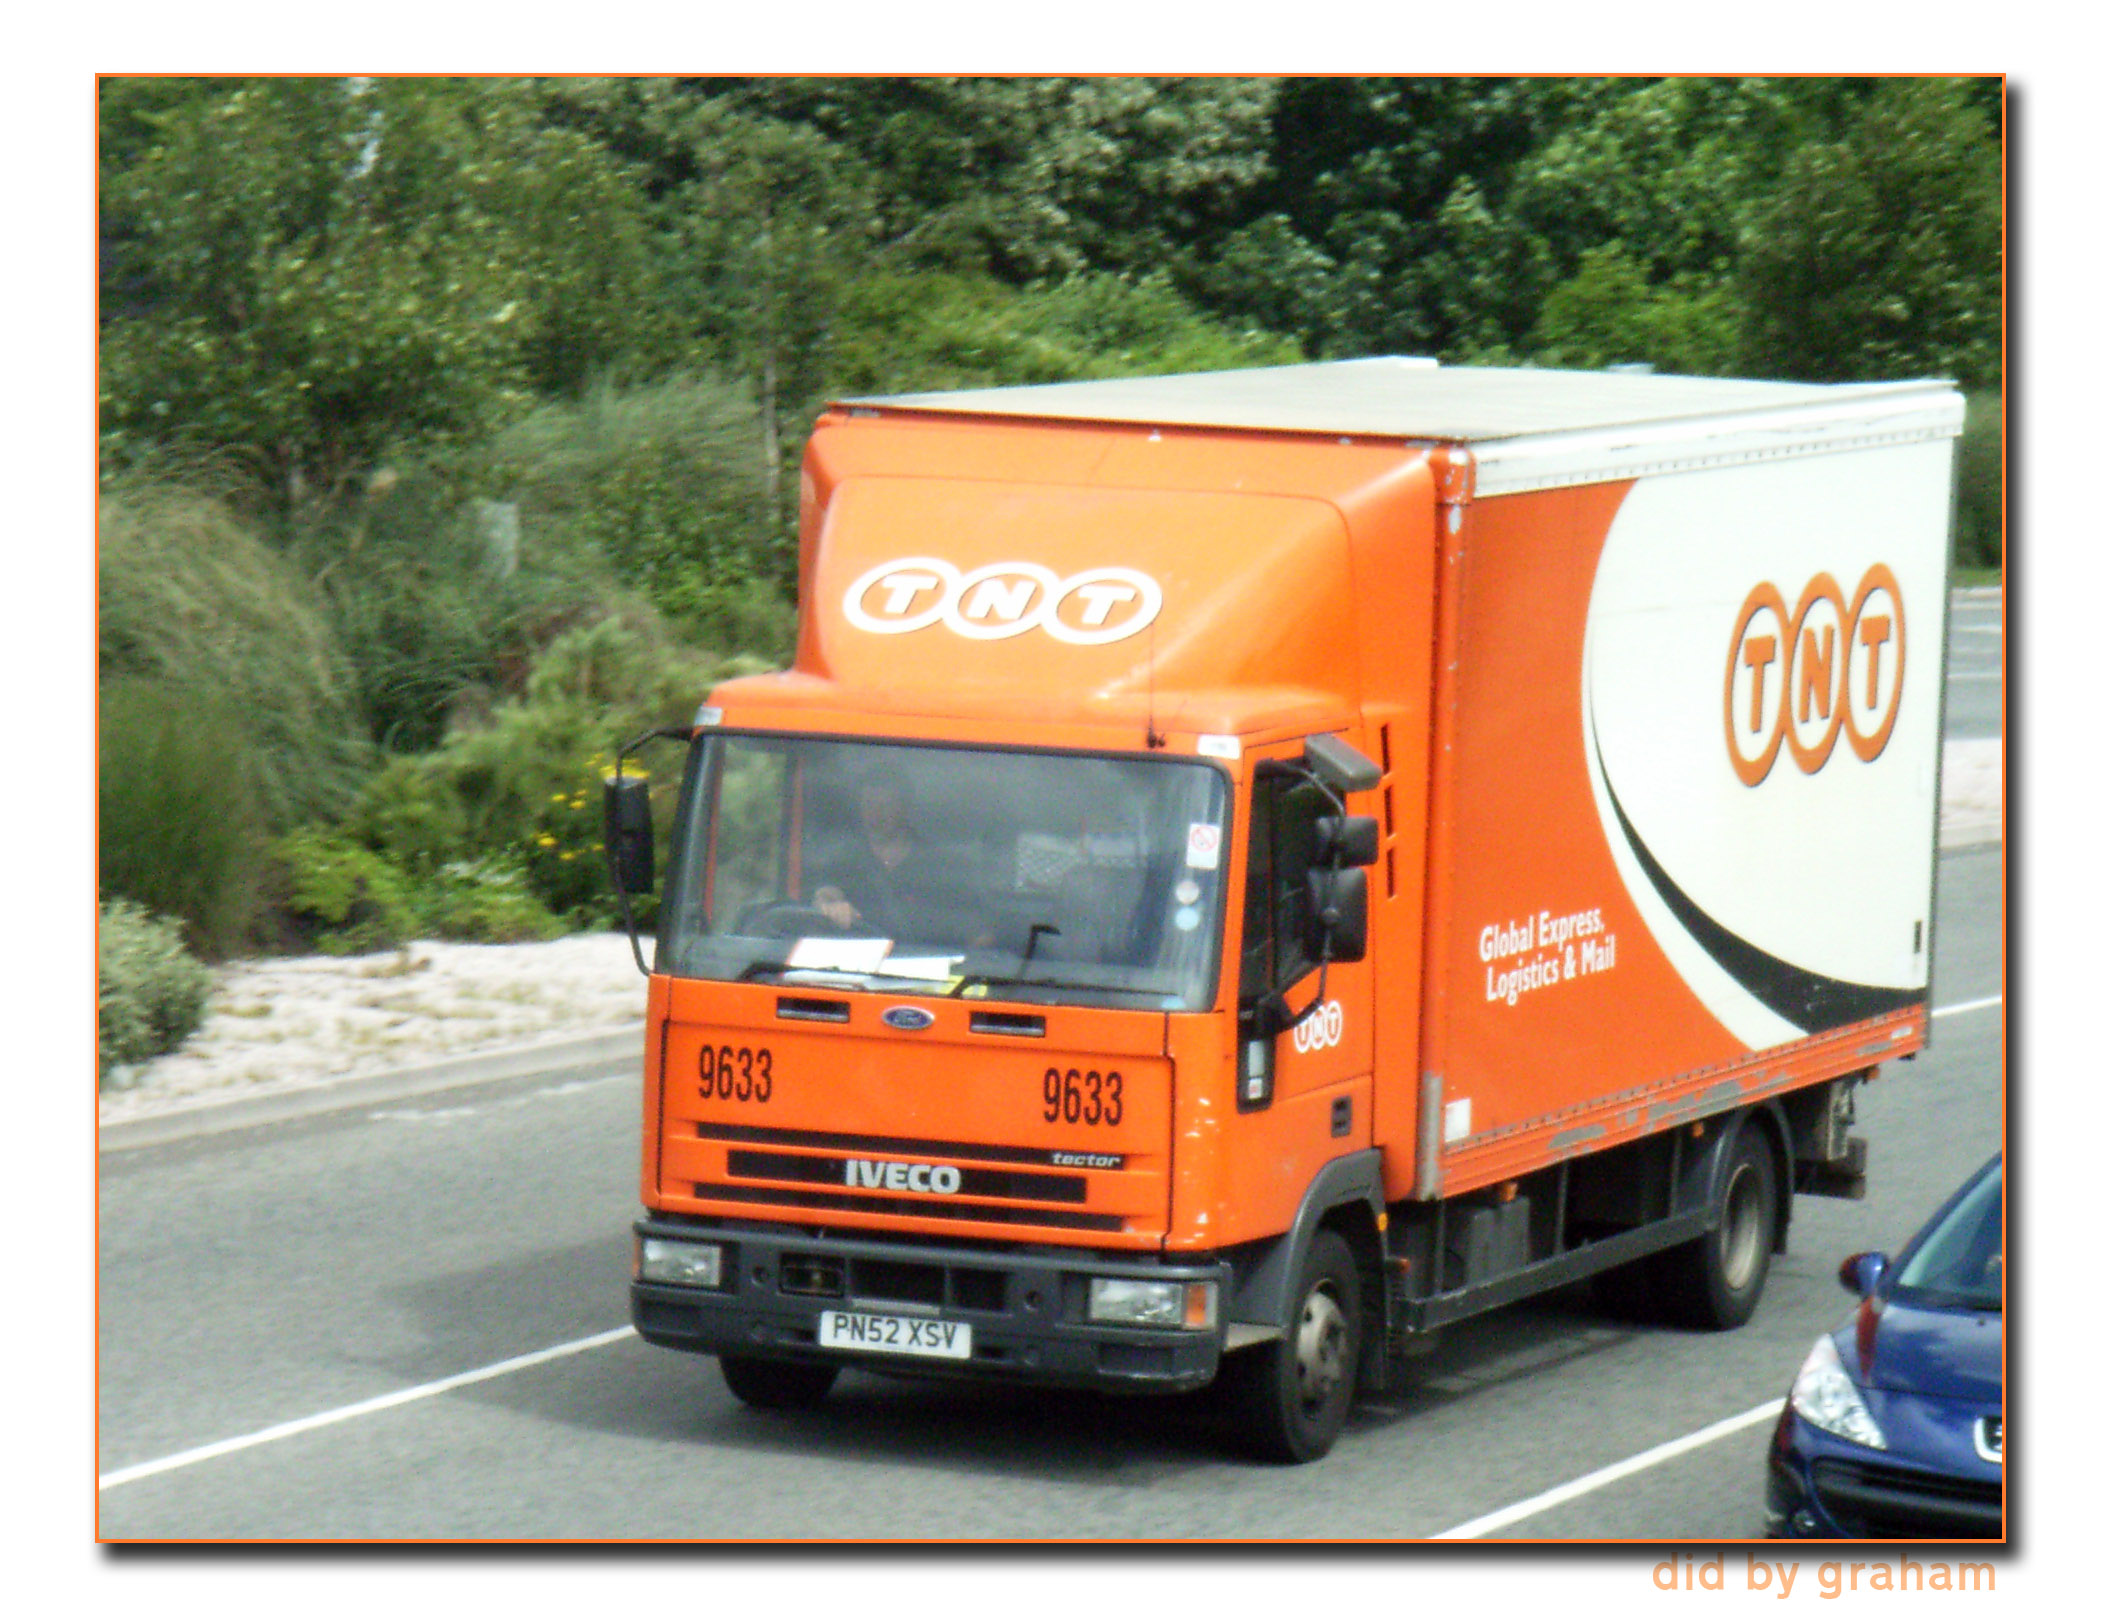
[
  {"x": 1800, "y": 678},
  {"x": 1002, "y": 599}
]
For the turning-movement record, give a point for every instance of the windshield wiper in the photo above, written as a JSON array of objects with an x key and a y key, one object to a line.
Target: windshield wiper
[{"x": 1018, "y": 979}]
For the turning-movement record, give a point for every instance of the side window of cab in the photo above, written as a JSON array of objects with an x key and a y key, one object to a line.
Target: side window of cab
[{"x": 1280, "y": 841}]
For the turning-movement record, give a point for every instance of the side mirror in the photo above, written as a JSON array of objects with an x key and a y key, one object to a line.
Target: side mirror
[
  {"x": 1861, "y": 1273},
  {"x": 1264, "y": 1016},
  {"x": 1336, "y": 922},
  {"x": 631, "y": 843},
  {"x": 1350, "y": 841},
  {"x": 1340, "y": 765}
]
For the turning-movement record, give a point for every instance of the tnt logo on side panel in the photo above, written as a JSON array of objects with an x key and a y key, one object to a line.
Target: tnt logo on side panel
[
  {"x": 1001, "y": 600},
  {"x": 1801, "y": 678}
]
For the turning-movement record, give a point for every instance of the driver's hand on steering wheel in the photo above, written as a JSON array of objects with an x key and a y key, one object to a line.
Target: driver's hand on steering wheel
[{"x": 834, "y": 906}]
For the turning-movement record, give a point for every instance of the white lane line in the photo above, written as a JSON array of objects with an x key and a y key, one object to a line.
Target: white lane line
[
  {"x": 1967, "y": 1005},
  {"x": 371, "y": 1406},
  {"x": 1498, "y": 1519}
]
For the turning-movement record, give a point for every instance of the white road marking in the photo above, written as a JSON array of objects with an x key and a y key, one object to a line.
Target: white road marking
[
  {"x": 371, "y": 1406},
  {"x": 1967, "y": 1005},
  {"x": 1591, "y": 1483}
]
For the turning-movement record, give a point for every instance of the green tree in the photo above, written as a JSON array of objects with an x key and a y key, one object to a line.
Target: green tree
[
  {"x": 770, "y": 228},
  {"x": 1877, "y": 254},
  {"x": 1035, "y": 179},
  {"x": 1611, "y": 313},
  {"x": 309, "y": 271},
  {"x": 926, "y": 332},
  {"x": 1392, "y": 195}
]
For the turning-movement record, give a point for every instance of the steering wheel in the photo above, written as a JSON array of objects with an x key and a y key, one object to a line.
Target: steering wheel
[{"x": 788, "y": 918}]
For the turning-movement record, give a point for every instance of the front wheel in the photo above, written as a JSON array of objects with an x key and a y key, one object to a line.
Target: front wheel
[
  {"x": 1297, "y": 1389},
  {"x": 778, "y": 1383},
  {"x": 1714, "y": 1283}
]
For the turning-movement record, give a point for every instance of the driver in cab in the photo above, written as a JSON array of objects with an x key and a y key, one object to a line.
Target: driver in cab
[{"x": 887, "y": 874}]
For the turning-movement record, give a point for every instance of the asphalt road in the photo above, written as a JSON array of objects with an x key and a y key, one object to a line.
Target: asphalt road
[
  {"x": 1971, "y": 706},
  {"x": 348, "y": 1267}
]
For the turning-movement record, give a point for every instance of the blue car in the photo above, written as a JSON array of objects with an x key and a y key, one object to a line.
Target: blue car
[{"x": 1892, "y": 1429}]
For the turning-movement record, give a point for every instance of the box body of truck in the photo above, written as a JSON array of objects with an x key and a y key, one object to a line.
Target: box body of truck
[{"x": 1621, "y": 694}]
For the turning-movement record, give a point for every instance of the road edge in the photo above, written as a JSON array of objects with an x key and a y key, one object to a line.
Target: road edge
[{"x": 547, "y": 1059}]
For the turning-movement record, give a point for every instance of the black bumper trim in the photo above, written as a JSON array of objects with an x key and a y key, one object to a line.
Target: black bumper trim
[
  {"x": 1881, "y": 1501},
  {"x": 1030, "y": 1324}
]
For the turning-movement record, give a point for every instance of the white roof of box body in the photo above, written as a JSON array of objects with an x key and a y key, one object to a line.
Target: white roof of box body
[{"x": 1526, "y": 428}]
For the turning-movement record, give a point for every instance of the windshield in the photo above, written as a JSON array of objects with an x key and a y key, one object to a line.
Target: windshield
[
  {"x": 1028, "y": 875},
  {"x": 1957, "y": 1263}
]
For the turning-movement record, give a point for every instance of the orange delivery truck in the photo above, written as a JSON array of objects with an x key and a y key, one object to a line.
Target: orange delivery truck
[{"x": 1248, "y": 869}]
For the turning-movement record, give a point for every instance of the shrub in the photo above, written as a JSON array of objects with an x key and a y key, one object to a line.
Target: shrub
[
  {"x": 488, "y": 901},
  {"x": 1978, "y": 525},
  {"x": 191, "y": 598},
  {"x": 669, "y": 484},
  {"x": 520, "y": 790},
  {"x": 179, "y": 824},
  {"x": 346, "y": 898},
  {"x": 423, "y": 603},
  {"x": 920, "y": 332},
  {"x": 409, "y": 815},
  {"x": 149, "y": 991}
]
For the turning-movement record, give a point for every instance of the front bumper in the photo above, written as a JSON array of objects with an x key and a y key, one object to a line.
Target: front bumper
[
  {"x": 1821, "y": 1486},
  {"x": 1027, "y": 1309}
]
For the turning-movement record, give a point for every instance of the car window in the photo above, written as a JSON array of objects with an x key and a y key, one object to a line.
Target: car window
[{"x": 1957, "y": 1262}]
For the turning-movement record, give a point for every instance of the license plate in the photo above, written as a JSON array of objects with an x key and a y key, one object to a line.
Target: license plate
[{"x": 892, "y": 1333}]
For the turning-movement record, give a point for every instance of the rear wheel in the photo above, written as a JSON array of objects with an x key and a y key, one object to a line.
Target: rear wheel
[
  {"x": 1296, "y": 1390},
  {"x": 778, "y": 1383},
  {"x": 1714, "y": 1283}
]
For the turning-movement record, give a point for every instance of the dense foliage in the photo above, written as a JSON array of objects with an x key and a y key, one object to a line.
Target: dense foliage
[
  {"x": 149, "y": 992},
  {"x": 450, "y": 426}
]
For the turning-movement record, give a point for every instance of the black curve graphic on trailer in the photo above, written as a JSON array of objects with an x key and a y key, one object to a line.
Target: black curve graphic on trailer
[{"x": 1814, "y": 1003}]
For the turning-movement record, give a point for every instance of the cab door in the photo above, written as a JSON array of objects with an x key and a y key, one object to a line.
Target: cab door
[{"x": 1302, "y": 1095}]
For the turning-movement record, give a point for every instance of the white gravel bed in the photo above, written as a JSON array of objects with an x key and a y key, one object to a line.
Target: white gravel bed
[{"x": 275, "y": 1025}]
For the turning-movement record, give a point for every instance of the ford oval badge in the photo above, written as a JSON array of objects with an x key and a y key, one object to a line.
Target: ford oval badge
[{"x": 908, "y": 1018}]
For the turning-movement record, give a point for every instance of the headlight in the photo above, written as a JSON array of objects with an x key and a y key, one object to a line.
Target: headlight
[
  {"x": 1825, "y": 1396},
  {"x": 1162, "y": 1304},
  {"x": 678, "y": 1263}
]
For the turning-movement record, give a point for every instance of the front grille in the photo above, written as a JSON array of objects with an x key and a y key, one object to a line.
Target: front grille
[
  {"x": 1887, "y": 1501},
  {"x": 806, "y": 1274},
  {"x": 892, "y": 1280},
  {"x": 993, "y": 1182},
  {"x": 896, "y": 1146},
  {"x": 909, "y": 1207}
]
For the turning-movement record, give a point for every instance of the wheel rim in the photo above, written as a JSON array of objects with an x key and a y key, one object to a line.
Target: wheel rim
[
  {"x": 1740, "y": 1229},
  {"x": 1324, "y": 1336}
]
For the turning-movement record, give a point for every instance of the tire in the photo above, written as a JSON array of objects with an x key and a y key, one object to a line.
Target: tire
[
  {"x": 1296, "y": 1391},
  {"x": 778, "y": 1383},
  {"x": 1714, "y": 1284}
]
